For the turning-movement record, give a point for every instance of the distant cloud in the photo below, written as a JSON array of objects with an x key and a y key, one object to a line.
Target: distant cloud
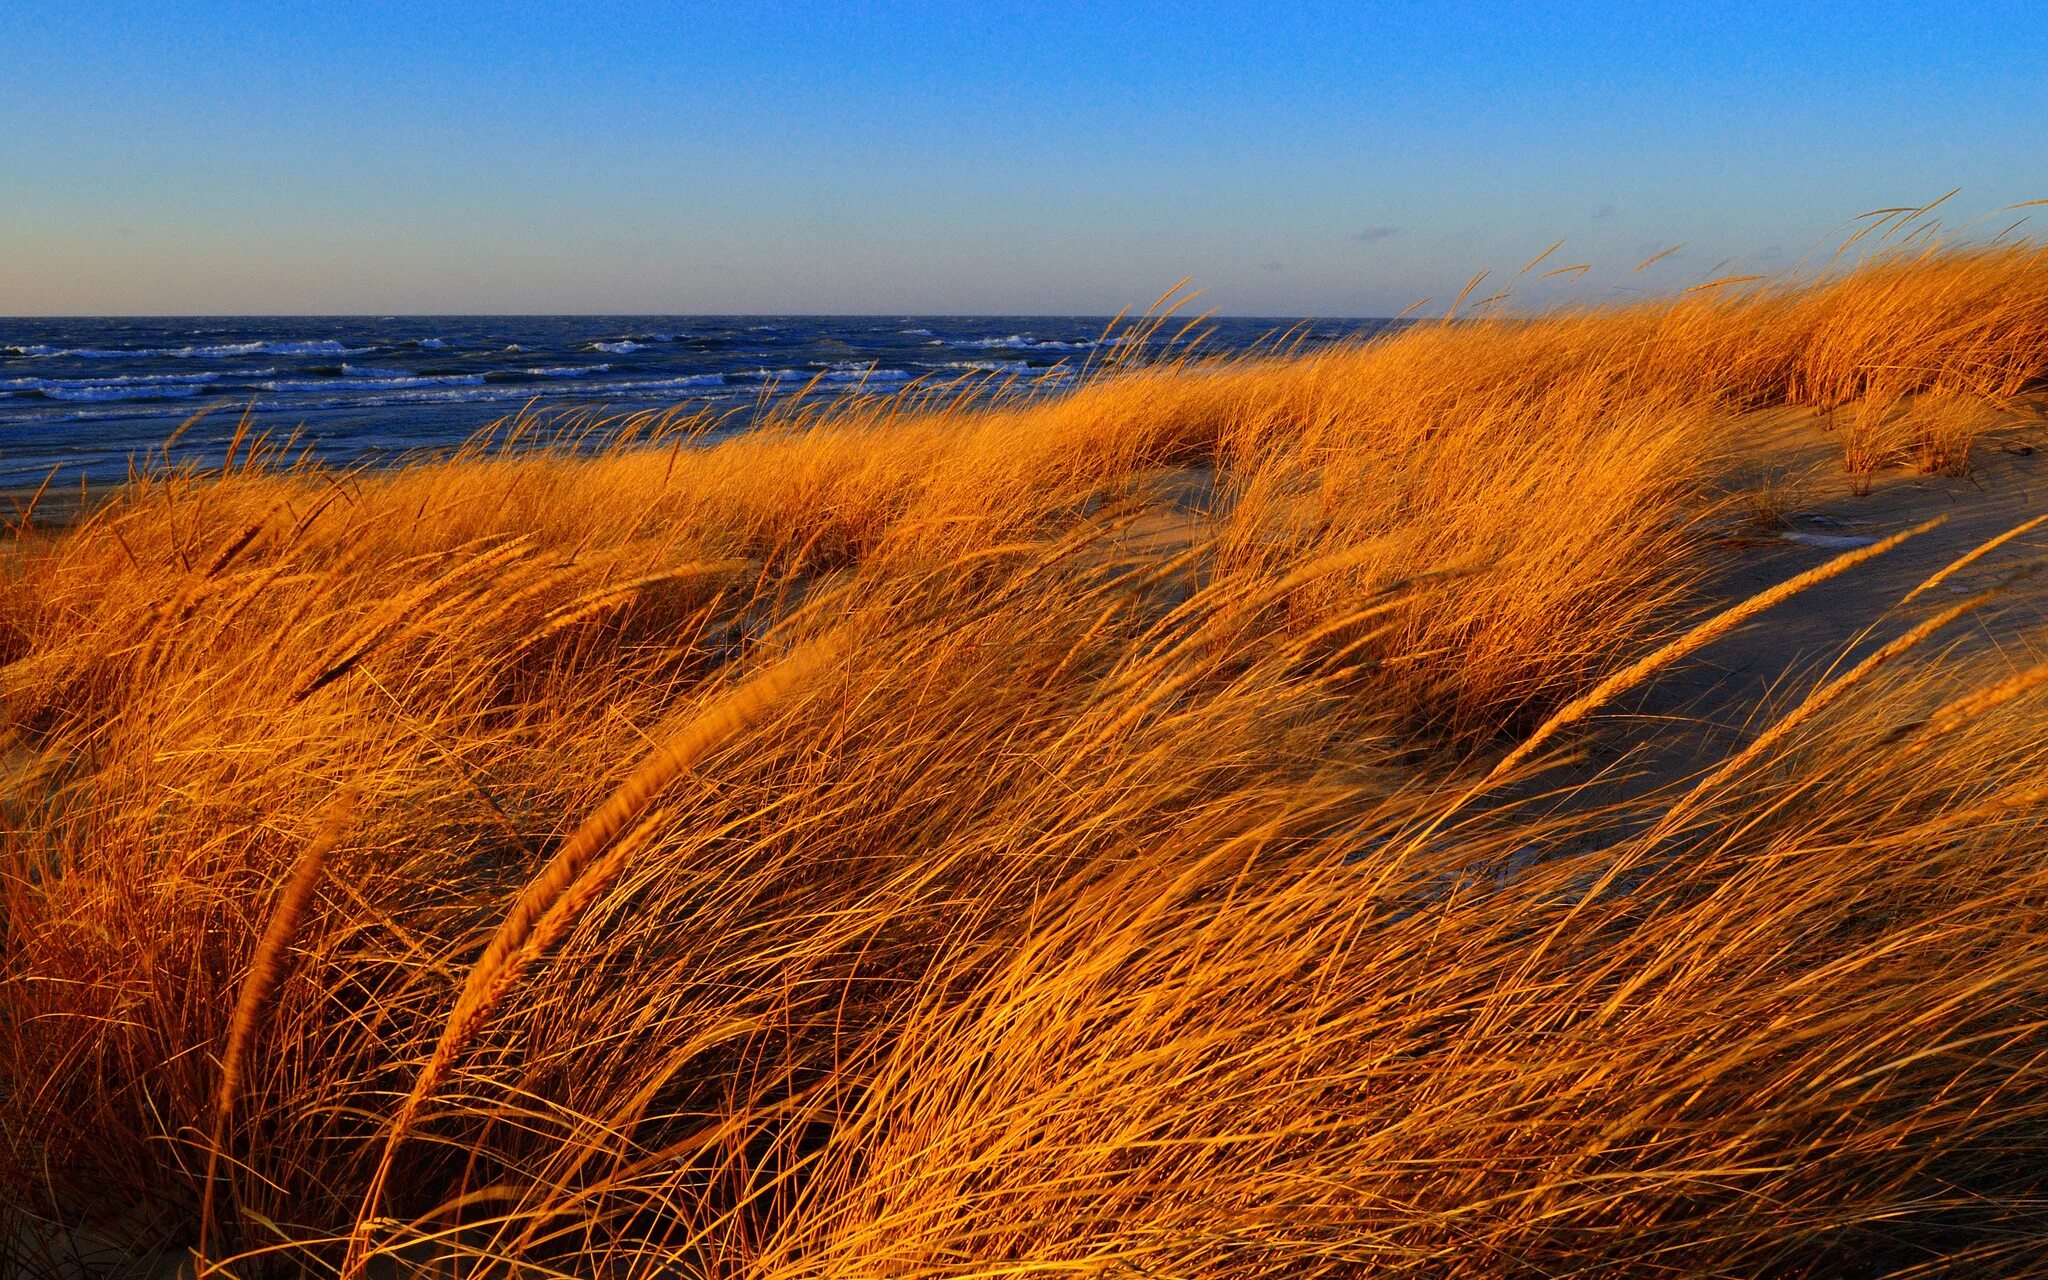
[
  {"x": 1272, "y": 266},
  {"x": 1373, "y": 235},
  {"x": 1604, "y": 211}
]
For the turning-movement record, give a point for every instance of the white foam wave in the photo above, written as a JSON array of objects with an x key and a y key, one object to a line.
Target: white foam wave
[
  {"x": 219, "y": 350},
  {"x": 916, "y": 333},
  {"x": 569, "y": 371},
  {"x": 863, "y": 373},
  {"x": 624, "y": 346},
  {"x": 626, "y": 387},
  {"x": 685, "y": 383},
  {"x": 167, "y": 391},
  {"x": 366, "y": 393},
  {"x": 321, "y": 347},
  {"x": 631, "y": 387},
  {"x": 112, "y": 380},
  {"x": 837, "y": 374},
  {"x": 381, "y": 384},
  {"x": 1024, "y": 342},
  {"x": 648, "y": 389}
]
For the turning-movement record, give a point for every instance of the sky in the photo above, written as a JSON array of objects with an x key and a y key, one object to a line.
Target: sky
[{"x": 1019, "y": 157}]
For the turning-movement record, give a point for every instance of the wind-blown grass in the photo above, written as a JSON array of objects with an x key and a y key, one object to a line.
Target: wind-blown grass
[{"x": 1057, "y": 850}]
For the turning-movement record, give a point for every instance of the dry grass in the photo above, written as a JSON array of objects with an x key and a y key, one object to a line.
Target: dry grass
[{"x": 1025, "y": 872}]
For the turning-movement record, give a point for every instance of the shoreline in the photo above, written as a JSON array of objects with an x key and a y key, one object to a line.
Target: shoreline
[{"x": 59, "y": 507}]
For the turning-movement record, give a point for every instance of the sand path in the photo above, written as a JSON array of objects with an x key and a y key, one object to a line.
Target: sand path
[{"x": 1717, "y": 699}]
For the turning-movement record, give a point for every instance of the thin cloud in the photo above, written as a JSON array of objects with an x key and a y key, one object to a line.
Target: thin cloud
[
  {"x": 1373, "y": 235},
  {"x": 1604, "y": 211}
]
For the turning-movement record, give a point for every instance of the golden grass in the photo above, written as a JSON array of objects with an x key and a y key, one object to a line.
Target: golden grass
[
  {"x": 589, "y": 861},
  {"x": 1031, "y": 838},
  {"x": 257, "y": 986}
]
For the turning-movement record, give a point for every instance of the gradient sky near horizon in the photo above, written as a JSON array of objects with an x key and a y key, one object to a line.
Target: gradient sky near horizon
[{"x": 1023, "y": 158}]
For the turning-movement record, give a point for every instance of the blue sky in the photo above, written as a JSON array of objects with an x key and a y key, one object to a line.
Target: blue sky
[{"x": 1007, "y": 157}]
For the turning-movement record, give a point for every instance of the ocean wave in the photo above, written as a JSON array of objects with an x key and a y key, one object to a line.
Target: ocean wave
[
  {"x": 916, "y": 333},
  {"x": 864, "y": 373},
  {"x": 686, "y": 382},
  {"x": 836, "y": 374},
  {"x": 562, "y": 383},
  {"x": 155, "y": 391},
  {"x": 624, "y": 346},
  {"x": 75, "y": 353},
  {"x": 637, "y": 387},
  {"x": 989, "y": 366},
  {"x": 1024, "y": 342},
  {"x": 416, "y": 396},
  {"x": 380, "y": 384},
  {"x": 215, "y": 351},
  {"x": 112, "y": 380},
  {"x": 273, "y": 347},
  {"x": 647, "y": 389},
  {"x": 372, "y": 393}
]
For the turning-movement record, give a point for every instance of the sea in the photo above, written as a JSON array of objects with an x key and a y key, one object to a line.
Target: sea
[{"x": 87, "y": 399}]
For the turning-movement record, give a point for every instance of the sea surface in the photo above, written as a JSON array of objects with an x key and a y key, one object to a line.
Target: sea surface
[{"x": 86, "y": 398}]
